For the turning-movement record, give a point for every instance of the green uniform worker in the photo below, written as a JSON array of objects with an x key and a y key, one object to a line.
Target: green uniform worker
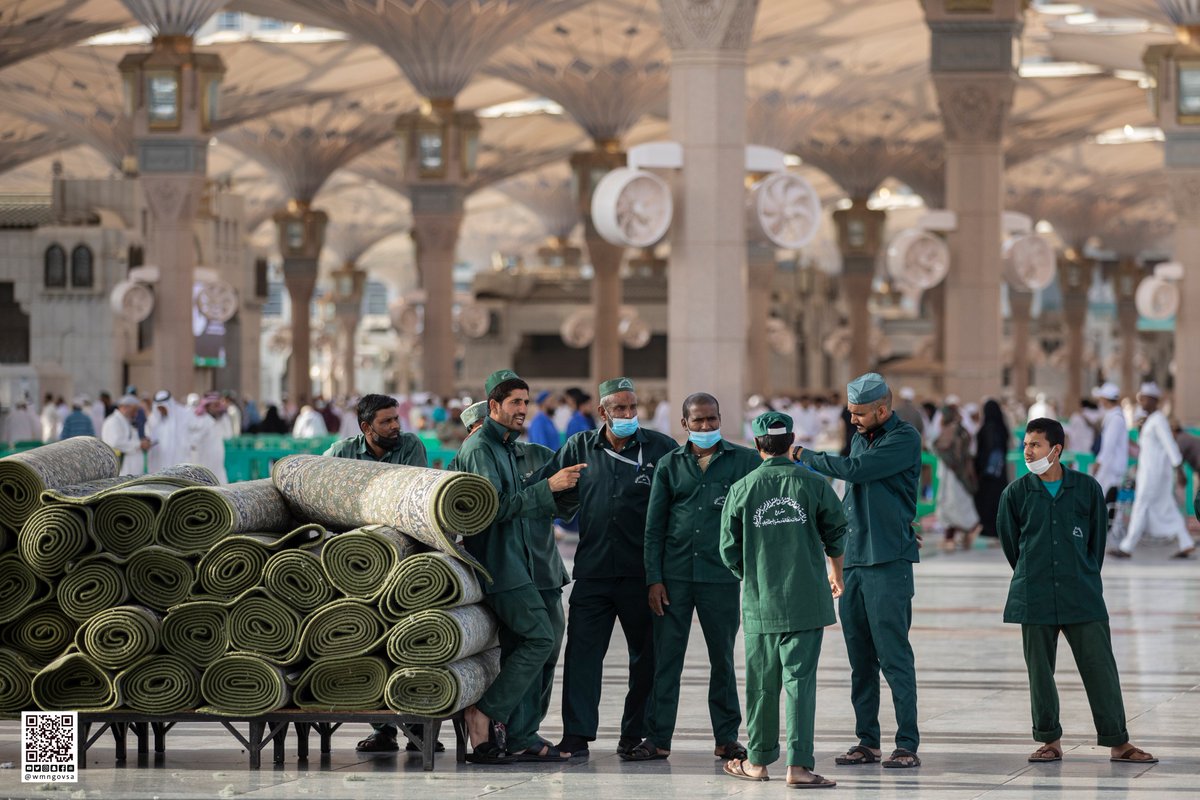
[
  {"x": 778, "y": 524},
  {"x": 504, "y": 722},
  {"x": 685, "y": 574},
  {"x": 1053, "y": 524},
  {"x": 610, "y": 579},
  {"x": 883, "y": 471},
  {"x": 382, "y": 440}
]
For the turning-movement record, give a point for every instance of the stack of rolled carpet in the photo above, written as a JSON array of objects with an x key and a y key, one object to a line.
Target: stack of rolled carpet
[{"x": 168, "y": 593}]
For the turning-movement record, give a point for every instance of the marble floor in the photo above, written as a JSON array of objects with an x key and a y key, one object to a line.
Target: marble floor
[{"x": 974, "y": 715}]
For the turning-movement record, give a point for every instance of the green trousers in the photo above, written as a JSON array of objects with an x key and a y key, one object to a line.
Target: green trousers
[
  {"x": 718, "y": 607},
  {"x": 1091, "y": 644},
  {"x": 876, "y": 613},
  {"x": 526, "y": 718},
  {"x": 787, "y": 661},
  {"x": 594, "y": 607}
]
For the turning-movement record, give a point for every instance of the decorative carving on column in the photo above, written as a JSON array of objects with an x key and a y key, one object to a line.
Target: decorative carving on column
[
  {"x": 974, "y": 110},
  {"x": 708, "y": 24}
]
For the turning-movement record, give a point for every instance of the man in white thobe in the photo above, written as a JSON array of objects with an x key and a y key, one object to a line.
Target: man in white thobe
[
  {"x": 119, "y": 434},
  {"x": 1112, "y": 462},
  {"x": 204, "y": 434},
  {"x": 1155, "y": 508},
  {"x": 166, "y": 428},
  {"x": 23, "y": 425}
]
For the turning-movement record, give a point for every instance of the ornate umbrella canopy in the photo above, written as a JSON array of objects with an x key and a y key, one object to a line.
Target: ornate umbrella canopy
[{"x": 32, "y": 27}]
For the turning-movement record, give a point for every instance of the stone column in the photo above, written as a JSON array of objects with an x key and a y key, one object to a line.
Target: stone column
[
  {"x": 761, "y": 270},
  {"x": 937, "y": 310},
  {"x": 972, "y": 67},
  {"x": 348, "y": 285},
  {"x": 1021, "y": 304},
  {"x": 1185, "y": 194},
  {"x": 1127, "y": 279},
  {"x": 860, "y": 235},
  {"x": 437, "y": 211},
  {"x": 301, "y": 236},
  {"x": 706, "y": 305},
  {"x": 1075, "y": 278}
]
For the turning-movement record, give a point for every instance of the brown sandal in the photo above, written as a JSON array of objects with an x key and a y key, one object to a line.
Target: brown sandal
[
  {"x": 1127, "y": 756},
  {"x": 1045, "y": 754},
  {"x": 736, "y": 768}
]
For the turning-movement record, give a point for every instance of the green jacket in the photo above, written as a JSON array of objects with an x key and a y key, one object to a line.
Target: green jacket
[
  {"x": 778, "y": 524},
  {"x": 613, "y": 494},
  {"x": 410, "y": 451},
  {"x": 1055, "y": 546},
  {"x": 549, "y": 572},
  {"x": 883, "y": 472},
  {"x": 683, "y": 520},
  {"x": 510, "y": 548}
]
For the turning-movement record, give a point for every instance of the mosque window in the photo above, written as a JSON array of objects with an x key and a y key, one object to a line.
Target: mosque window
[
  {"x": 229, "y": 21},
  {"x": 55, "y": 267},
  {"x": 81, "y": 267}
]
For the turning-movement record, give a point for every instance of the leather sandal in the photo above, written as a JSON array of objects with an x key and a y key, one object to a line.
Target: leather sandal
[
  {"x": 730, "y": 750},
  {"x": 1045, "y": 754},
  {"x": 378, "y": 742},
  {"x": 644, "y": 751},
  {"x": 902, "y": 759},
  {"x": 817, "y": 782},
  {"x": 849, "y": 759},
  {"x": 1127, "y": 756},
  {"x": 736, "y": 768}
]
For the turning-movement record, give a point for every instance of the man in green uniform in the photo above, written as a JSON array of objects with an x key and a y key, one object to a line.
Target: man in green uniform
[
  {"x": 473, "y": 415},
  {"x": 382, "y": 440},
  {"x": 685, "y": 574},
  {"x": 1053, "y": 524},
  {"x": 882, "y": 473},
  {"x": 778, "y": 525},
  {"x": 610, "y": 578}
]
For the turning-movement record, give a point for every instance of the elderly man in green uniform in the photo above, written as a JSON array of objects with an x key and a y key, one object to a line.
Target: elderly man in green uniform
[
  {"x": 1053, "y": 524},
  {"x": 685, "y": 574},
  {"x": 527, "y": 578},
  {"x": 882, "y": 470},
  {"x": 382, "y": 440},
  {"x": 610, "y": 578},
  {"x": 778, "y": 525}
]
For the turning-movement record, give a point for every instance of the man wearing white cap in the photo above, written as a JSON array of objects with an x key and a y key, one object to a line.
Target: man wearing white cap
[
  {"x": 1113, "y": 459},
  {"x": 167, "y": 429},
  {"x": 1154, "y": 504},
  {"x": 119, "y": 434}
]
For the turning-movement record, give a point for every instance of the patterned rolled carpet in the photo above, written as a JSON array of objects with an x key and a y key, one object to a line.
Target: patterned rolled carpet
[
  {"x": 196, "y": 518},
  {"x": 75, "y": 682},
  {"x": 197, "y": 631},
  {"x": 21, "y": 587},
  {"x": 242, "y": 684},
  {"x": 53, "y": 536},
  {"x": 441, "y": 691},
  {"x": 155, "y": 485},
  {"x": 439, "y": 636},
  {"x": 342, "y": 683},
  {"x": 92, "y": 585},
  {"x": 118, "y": 637},
  {"x": 236, "y": 563},
  {"x": 16, "y": 676},
  {"x": 24, "y": 476},
  {"x": 427, "y": 580},
  {"x": 295, "y": 578},
  {"x": 358, "y": 562}
]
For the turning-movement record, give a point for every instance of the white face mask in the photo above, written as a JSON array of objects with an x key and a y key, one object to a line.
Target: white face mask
[{"x": 1040, "y": 466}]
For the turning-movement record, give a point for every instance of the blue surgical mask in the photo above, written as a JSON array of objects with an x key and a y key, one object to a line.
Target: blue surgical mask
[
  {"x": 623, "y": 428},
  {"x": 704, "y": 439}
]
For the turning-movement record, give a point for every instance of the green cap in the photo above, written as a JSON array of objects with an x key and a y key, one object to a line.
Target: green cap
[
  {"x": 614, "y": 386},
  {"x": 474, "y": 413},
  {"x": 498, "y": 377},
  {"x": 866, "y": 389},
  {"x": 771, "y": 423}
]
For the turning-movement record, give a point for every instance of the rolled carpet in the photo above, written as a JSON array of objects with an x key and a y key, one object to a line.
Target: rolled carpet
[
  {"x": 439, "y": 636},
  {"x": 260, "y": 624},
  {"x": 24, "y": 476},
  {"x": 43, "y": 632},
  {"x": 154, "y": 484},
  {"x": 357, "y": 562},
  {"x": 235, "y": 563},
  {"x": 197, "y": 631},
  {"x": 21, "y": 587},
  {"x": 242, "y": 684},
  {"x": 92, "y": 585},
  {"x": 16, "y": 676},
  {"x": 125, "y": 524},
  {"x": 53, "y": 536},
  {"x": 430, "y": 505},
  {"x": 118, "y": 637},
  {"x": 342, "y": 683},
  {"x": 295, "y": 578},
  {"x": 196, "y": 518},
  {"x": 8, "y": 538},
  {"x": 441, "y": 691},
  {"x": 75, "y": 682},
  {"x": 427, "y": 580},
  {"x": 341, "y": 628},
  {"x": 159, "y": 577},
  {"x": 159, "y": 684}
]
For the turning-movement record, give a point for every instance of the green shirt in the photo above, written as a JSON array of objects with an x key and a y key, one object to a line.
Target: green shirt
[
  {"x": 613, "y": 493},
  {"x": 683, "y": 520},
  {"x": 410, "y": 451},
  {"x": 778, "y": 524},
  {"x": 883, "y": 471},
  {"x": 549, "y": 572},
  {"x": 1055, "y": 546}
]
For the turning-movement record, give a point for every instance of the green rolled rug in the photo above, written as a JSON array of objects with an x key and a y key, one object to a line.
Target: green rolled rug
[
  {"x": 197, "y": 631},
  {"x": 126, "y": 524},
  {"x": 236, "y": 563},
  {"x": 153, "y": 485},
  {"x": 92, "y": 585},
  {"x": 442, "y": 691},
  {"x": 358, "y": 562},
  {"x": 20, "y": 587},
  {"x": 53, "y": 536},
  {"x": 427, "y": 580},
  {"x": 341, "y": 628},
  {"x": 295, "y": 578},
  {"x": 159, "y": 684},
  {"x": 16, "y": 677},
  {"x": 118, "y": 637},
  {"x": 262, "y": 625},
  {"x": 43, "y": 632},
  {"x": 159, "y": 577},
  {"x": 75, "y": 682},
  {"x": 24, "y": 476},
  {"x": 439, "y": 636},
  {"x": 342, "y": 683},
  {"x": 196, "y": 518},
  {"x": 242, "y": 684},
  {"x": 8, "y": 538}
]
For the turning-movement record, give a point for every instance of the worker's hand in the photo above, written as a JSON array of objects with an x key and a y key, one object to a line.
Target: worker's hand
[
  {"x": 658, "y": 598},
  {"x": 565, "y": 478},
  {"x": 836, "y": 585},
  {"x": 145, "y": 444}
]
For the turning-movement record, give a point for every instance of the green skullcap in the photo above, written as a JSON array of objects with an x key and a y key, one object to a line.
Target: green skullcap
[
  {"x": 498, "y": 377},
  {"x": 474, "y": 413},
  {"x": 866, "y": 389},
  {"x": 614, "y": 386},
  {"x": 771, "y": 423}
]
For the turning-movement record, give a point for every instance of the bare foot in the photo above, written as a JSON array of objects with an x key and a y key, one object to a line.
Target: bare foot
[{"x": 477, "y": 725}]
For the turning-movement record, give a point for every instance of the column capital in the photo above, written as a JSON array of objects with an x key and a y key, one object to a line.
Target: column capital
[
  {"x": 437, "y": 198},
  {"x": 860, "y": 230},
  {"x": 710, "y": 25},
  {"x": 974, "y": 106},
  {"x": 301, "y": 231},
  {"x": 172, "y": 198}
]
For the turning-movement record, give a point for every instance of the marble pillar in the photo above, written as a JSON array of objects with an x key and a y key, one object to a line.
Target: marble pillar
[
  {"x": 1127, "y": 279},
  {"x": 1185, "y": 194},
  {"x": 937, "y": 313},
  {"x": 1074, "y": 280},
  {"x": 760, "y": 260},
  {"x": 437, "y": 211},
  {"x": 1021, "y": 304},
  {"x": 301, "y": 237},
  {"x": 860, "y": 237}
]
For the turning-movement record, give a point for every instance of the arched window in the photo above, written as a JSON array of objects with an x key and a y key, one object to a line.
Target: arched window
[
  {"x": 55, "y": 275},
  {"x": 81, "y": 267}
]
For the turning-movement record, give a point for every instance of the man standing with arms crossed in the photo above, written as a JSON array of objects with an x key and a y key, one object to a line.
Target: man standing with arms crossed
[{"x": 882, "y": 473}]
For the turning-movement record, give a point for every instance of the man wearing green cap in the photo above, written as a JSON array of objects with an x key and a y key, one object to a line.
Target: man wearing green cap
[
  {"x": 882, "y": 470},
  {"x": 685, "y": 574},
  {"x": 610, "y": 577},
  {"x": 473, "y": 415},
  {"x": 778, "y": 526},
  {"x": 527, "y": 580}
]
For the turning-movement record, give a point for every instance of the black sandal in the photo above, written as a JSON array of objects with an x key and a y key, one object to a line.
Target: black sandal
[
  {"x": 894, "y": 760},
  {"x": 644, "y": 751},
  {"x": 626, "y": 744},
  {"x": 378, "y": 743},
  {"x": 732, "y": 750},
  {"x": 534, "y": 754},
  {"x": 848, "y": 760},
  {"x": 489, "y": 753},
  {"x": 577, "y": 746}
]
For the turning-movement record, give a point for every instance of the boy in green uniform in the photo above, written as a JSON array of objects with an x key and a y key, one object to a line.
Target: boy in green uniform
[
  {"x": 778, "y": 525},
  {"x": 685, "y": 574},
  {"x": 1053, "y": 524}
]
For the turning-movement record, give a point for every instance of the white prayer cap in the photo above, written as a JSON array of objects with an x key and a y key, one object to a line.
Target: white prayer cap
[
  {"x": 1107, "y": 391},
  {"x": 1150, "y": 389},
  {"x": 193, "y": 399},
  {"x": 80, "y": 400},
  {"x": 951, "y": 400},
  {"x": 907, "y": 393},
  {"x": 128, "y": 400}
]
